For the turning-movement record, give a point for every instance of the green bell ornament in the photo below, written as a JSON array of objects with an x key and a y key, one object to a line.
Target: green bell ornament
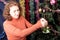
[{"x": 46, "y": 30}]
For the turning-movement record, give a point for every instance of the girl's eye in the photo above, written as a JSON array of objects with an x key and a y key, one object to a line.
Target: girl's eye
[{"x": 16, "y": 10}]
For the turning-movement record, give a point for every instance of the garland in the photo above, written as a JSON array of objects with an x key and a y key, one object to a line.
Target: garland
[
  {"x": 36, "y": 11},
  {"x": 27, "y": 10},
  {"x": 22, "y": 4},
  {"x": 32, "y": 15}
]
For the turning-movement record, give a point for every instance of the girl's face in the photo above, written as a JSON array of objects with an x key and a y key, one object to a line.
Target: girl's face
[{"x": 14, "y": 12}]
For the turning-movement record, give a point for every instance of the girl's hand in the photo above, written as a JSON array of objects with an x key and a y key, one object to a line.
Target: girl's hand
[{"x": 43, "y": 22}]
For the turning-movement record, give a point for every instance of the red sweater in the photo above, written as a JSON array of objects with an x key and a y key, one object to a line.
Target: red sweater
[{"x": 18, "y": 29}]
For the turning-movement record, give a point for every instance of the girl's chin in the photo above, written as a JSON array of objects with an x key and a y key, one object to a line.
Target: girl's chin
[{"x": 15, "y": 18}]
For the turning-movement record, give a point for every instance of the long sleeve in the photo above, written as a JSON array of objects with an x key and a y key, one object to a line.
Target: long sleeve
[
  {"x": 17, "y": 32},
  {"x": 28, "y": 24}
]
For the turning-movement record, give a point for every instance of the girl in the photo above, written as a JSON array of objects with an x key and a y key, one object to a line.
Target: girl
[{"x": 15, "y": 25}]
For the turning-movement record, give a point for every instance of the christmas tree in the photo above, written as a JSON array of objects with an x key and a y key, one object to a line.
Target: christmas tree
[{"x": 50, "y": 11}]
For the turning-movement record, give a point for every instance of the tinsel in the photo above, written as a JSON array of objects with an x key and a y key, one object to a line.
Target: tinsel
[
  {"x": 22, "y": 4},
  {"x": 31, "y": 4},
  {"x": 32, "y": 17},
  {"x": 27, "y": 10},
  {"x": 36, "y": 11}
]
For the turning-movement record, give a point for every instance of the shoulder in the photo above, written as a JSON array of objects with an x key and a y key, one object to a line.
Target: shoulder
[
  {"x": 6, "y": 22},
  {"x": 22, "y": 18}
]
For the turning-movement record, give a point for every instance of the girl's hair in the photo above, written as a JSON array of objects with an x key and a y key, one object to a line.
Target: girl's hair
[{"x": 6, "y": 11}]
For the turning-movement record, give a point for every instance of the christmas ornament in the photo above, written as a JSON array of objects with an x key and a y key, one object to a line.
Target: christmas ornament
[{"x": 52, "y": 2}]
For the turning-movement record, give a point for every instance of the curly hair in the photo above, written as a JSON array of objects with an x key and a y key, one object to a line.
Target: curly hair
[{"x": 6, "y": 11}]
